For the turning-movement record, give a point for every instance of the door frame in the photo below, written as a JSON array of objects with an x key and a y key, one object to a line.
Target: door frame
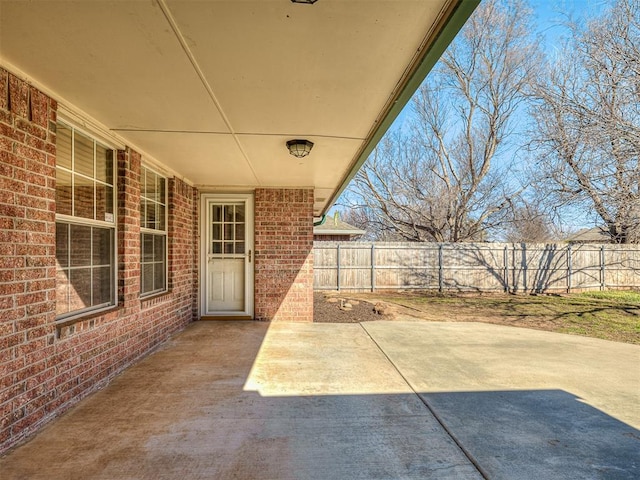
[{"x": 205, "y": 200}]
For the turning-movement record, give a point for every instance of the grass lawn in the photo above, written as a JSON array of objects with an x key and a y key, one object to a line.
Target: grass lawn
[{"x": 611, "y": 315}]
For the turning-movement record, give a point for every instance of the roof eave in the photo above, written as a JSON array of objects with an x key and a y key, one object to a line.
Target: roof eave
[{"x": 459, "y": 12}]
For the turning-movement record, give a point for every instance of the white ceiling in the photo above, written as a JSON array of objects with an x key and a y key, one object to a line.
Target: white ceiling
[{"x": 214, "y": 89}]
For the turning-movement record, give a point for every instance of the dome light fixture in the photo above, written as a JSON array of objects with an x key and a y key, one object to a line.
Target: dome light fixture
[{"x": 299, "y": 148}]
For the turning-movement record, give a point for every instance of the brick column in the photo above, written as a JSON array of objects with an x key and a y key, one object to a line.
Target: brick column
[
  {"x": 284, "y": 254},
  {"x": 27, "y": 255},
  {"x": 129, "y": 230}
]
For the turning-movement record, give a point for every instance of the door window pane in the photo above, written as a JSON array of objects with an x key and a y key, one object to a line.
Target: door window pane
[
  {"x": 217, "y": 232},
  {"x": 239, "y": 232},
  {"x": 217, "y": 213},
  {"x": 228, "y": 232},
  {"x": 239, "y": 213}
]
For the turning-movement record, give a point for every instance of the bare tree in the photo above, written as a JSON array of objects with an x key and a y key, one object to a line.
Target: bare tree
[
  {"x": 587, "y": 115},
  {"x": 530, "y": 224},
  {"x": 438, "y": 181}
]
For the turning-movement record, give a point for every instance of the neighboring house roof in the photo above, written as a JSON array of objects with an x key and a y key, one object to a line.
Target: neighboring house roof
[
  {"x": 590, "y": 235},
  {"x": 335, "y": 226},
  {"x": 213, "y": 90}
]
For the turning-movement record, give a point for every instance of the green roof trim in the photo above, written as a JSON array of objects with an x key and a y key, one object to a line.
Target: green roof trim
[{"x": 461, "y": 13}]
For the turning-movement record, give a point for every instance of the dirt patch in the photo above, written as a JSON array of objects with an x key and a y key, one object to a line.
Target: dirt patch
[{"x": 331, "y": 307}]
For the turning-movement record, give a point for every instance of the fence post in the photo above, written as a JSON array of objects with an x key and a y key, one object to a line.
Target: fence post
[
  {"x": 338, "y": 268},
  {"x": 569, "y": 268},
  {"x": 505, "y": 258},
  {"x": 373, "y": 267},
  {"x": 440, "y": 272},
  {"x": 524, "y": 266},
  {"x": 602, "y": 272}
]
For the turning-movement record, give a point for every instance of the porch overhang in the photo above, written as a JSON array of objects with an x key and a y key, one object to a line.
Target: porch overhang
[{"x": 212, "y": 91}]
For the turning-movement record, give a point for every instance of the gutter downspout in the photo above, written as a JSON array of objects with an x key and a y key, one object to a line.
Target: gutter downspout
[{"x": 321, "y": 221}]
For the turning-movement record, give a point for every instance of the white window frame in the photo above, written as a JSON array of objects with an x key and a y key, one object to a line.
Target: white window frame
[
  {"x": 87, "y": 222},
  {"x": 154, "y": 231}
]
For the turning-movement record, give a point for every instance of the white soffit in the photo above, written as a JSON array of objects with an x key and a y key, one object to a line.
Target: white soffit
[{"x": 214, "y": 89}]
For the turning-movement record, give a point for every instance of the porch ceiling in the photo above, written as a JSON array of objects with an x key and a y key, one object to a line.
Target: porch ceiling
[{"x": 213, "y": 90}]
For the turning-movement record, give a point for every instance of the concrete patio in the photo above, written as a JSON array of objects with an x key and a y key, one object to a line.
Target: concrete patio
[{"x": 246, "y": 400}]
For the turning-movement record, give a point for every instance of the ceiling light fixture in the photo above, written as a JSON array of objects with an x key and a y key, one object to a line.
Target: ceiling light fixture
[
  {"x": 299, "y": 148},
  {"x": 304, "y": 1}
]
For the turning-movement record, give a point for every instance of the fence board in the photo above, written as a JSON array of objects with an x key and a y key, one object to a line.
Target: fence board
[{"x": 480, "y": 267}]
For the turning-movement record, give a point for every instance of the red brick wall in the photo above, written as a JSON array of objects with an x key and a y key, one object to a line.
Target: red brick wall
[
  {"x": 332, "y": 238},
  {"x": 45, "y": 367},
  {"x": 284, "y": 254},
  {"x": 27, "y": 254}
]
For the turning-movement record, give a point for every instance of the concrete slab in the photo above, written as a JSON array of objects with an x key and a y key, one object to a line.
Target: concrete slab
[
  {"x": 248, "y": 400},
  {"x": 525, "y": 404}
]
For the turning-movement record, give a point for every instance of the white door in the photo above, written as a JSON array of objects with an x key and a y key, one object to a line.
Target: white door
[{"x": 227, "y": 255}]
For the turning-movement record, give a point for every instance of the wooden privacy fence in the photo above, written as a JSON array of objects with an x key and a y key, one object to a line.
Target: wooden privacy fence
[{"x": 508, "y": 267}]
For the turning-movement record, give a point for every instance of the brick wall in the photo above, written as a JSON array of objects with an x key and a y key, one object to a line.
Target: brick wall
[
  {"x": 284, "y": 254},
  {"x": 45, "y": 367}
]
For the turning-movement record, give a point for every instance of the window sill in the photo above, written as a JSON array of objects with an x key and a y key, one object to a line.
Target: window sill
[
  {"x": 82, "y": 322},
  {"x": 154, "y": 299}
]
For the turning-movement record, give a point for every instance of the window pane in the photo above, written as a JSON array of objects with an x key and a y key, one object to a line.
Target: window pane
[
  {"x": 162, "y": 189},
  {"x": 217, "y": 231},
  {"x": 83, "y": 155},
  {"x": 63, "y": 146},
  {"x": 62, "y": 245},
  {"x": 63, "y": 192},
  {"x": 102, "y": 246},
  {"x": 79, "y": 289},
  {"x": 228, "y": 247},
  {"x": 102, "y": 285},
  {"x": 151, "y": 216},
  {"x": 83, "y": 197},
  {"x": 228, "y": 232},
  {"x": 217, "y": 247},
  {"x": 104, "y": 164},
  {"x": 80, "y": 246},
  {"x": 240, "y": 247},
  {"x": 158, "y": 248},
  {"x": 228, "y": 213},
  {"x": 62, "y": 291},
  {"x": 143, "y": 213},
  {"x": 147, "y": 247},
  {"x": 217, "y": 213},
  {"x": 161, "y": 217},
  {"x": 239, "y": 213},
  {"x": 239, "y": 232},
  {"x": 104, "y": 203},
  {"x": 147, "y": 278},
  {"x": 151, "y": 190},
  {"x": 159, "y": 277}
]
